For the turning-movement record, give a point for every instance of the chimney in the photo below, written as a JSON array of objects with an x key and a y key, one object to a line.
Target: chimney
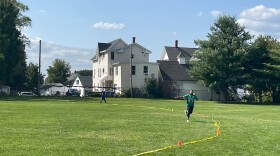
[
  {"x": 176, "y": 43},
  {"x": 133, "y": 39}
]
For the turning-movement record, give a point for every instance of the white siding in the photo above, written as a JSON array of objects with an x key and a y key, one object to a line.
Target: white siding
[
  {"x": 52, "y": 91},
  {"x": 203, "y": 93},
  {"x": 138, "y": 80},
  {"x": 118, "y": 79},
  {"x": 140, "y": 54},
  {"x": 121, "y": 62},
  {"x": 166, "y": 57},
  {"x": 182, "y": 60},
  {"x": 101, "y": 68}
]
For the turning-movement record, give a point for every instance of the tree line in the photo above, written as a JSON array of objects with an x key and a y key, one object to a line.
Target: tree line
[
  {"x": 14, "y": 70},
  {"x": 231, "y": 58}
]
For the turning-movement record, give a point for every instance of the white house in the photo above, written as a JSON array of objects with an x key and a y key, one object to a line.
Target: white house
[
  {"x": 53, "y": 89},
  {"x": 173, "y": 71},
  {"x": 82, "y": 84},
  {"x": 117, "y": 63}
]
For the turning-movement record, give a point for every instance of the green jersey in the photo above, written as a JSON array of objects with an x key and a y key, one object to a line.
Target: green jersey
[{"x": 190, "y": 99}]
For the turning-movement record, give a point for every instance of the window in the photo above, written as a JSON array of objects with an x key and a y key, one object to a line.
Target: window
[
  {"x": 117, "y": 72},
  {"x": 111, "y": 71},
  {"x": 112, "y": 55},
  {"x": 99, "y": 72},
  {"x": 103, "y": 70},
  {"x": 77, "y": 82},
  {"x": 133, "y": 70},
  {"x": 145, "y": 70},
  {"x": 94, "y": 73}
]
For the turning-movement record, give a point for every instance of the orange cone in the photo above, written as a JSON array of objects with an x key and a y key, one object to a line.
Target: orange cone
[
  {"x": 218, "y": 132},
  {"x": 179, "y": 143}
]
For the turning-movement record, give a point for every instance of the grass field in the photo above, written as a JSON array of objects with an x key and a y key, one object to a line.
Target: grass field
[{"x": 41, "y": 126}]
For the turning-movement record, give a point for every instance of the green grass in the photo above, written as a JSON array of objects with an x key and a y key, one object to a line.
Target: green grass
[{"x": 41, "y": 126}]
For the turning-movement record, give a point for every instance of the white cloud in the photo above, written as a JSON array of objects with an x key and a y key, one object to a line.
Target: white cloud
[
  {"x": 78, "y": 58},
  {"x": 260, "y": 13},
  {"x": 216, "y": 13},
  {"x": 42, "y": 11},
  {"x": 200, "y": 14},
  {"x": 261, "y": 20},
  {"x": 36, "y": 39},
  {"x": 105, "y": 25}
]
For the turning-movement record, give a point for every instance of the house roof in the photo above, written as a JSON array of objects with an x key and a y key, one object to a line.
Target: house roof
[
  {"x": 103, "y": 46},
  {"x": 174, "y": 52},
  {"x": 147, "y": 51},
  {"x": 86, "y": 81},
  {"x": 173, "y": 71},
  {"x": 94, "y": 58},
  {"x": 72, "y": 77},
  {"x": 47, "y": 86}
]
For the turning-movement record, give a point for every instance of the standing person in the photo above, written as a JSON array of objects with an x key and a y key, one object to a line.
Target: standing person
[
  {"x": 103, "y": 95},
  {"x": 190, "y": 103}
]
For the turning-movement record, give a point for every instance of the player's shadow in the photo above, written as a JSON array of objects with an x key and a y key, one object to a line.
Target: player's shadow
[{"x": 201, "y": 121}]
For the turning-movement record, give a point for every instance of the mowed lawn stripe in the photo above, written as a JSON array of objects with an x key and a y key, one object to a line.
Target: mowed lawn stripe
[{"x": 122, "y": 126}]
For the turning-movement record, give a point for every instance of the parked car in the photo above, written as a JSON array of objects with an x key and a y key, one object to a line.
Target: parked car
[
  {"x": 73, "y": 92},
  {"x": 26, "y": 94}
]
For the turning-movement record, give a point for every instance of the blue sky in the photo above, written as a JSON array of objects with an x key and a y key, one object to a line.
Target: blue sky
[{"x": 71, "y": 29}]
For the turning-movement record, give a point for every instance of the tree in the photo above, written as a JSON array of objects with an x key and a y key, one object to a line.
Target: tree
[
  {"x": 2, "y": 72},
  {"x": 218, "y": 61},
  {"x": 58, "y": 72},
  {"x": 263, "y": 67},
  {"x": 274, "y": 71},
  {"x": 151, "y": 87},
  {"x": 84, "y": 72},
  {"x": 31, "y": 74},
  {"x": 12, "y": 42},
  {"x": 274, "y": 65},
  {"x": 254, "y": 61}
]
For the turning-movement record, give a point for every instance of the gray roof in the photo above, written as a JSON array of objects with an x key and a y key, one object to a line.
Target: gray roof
[
  {"x": 103, "y": 46},
  {"x": 173, "y": 71},
  {"x": 94, "y": 58},
  {"x": 47, "y": 86},
  {"x": 115, "y": 41},
  {"x": 174, "y": 52},
  {"x": 86, "y": 81},
  {"x": 72, "y": 77}
]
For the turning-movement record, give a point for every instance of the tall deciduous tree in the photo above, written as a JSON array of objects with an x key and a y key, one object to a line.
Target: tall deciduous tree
[
  {"x": 58, "y": 72},
  {"x": 12, "y": 42},
  {"x": 31, "y": 74},
  {"x": 218, "y": 62}
]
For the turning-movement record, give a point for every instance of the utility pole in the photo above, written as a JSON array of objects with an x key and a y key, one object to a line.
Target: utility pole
[
  {"x": 131, "y": 56},
  {"x": 39, "y": 73}
]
